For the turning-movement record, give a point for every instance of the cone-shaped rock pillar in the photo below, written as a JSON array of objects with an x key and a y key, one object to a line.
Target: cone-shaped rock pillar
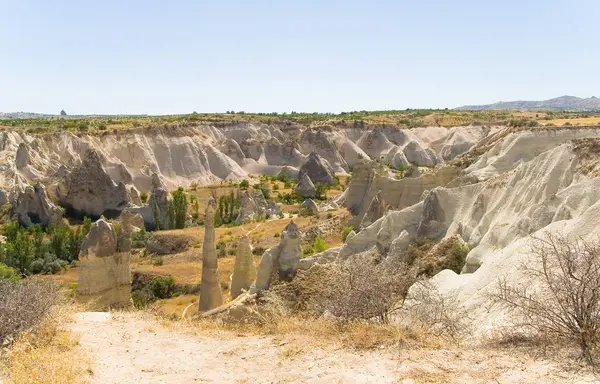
[
  {"x": 244, "y": 271},
  {"x": 210, "y": 289}
]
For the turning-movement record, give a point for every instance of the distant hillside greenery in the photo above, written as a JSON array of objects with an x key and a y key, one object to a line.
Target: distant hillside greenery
[
  {"x": 563, "y": 103},
  {"x": 409, "y": 118}
]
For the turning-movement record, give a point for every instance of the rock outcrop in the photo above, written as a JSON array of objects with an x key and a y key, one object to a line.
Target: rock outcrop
[
  {"x": 210, "y": 290},
  {"x": 32, "y": 206},
  {"x": 90, "y": 191},
  {"x": 369, "y": 178},
  {"x": 305, "y": 187},
  {"x": 158, "y": 206},
  {"x": 317, "y": 140},
  {"x": 433, "y": 219},
  {"x": 289, "y": 172},
  {"x": 416, "y": 154},
  {"x": 318, "y": 169},
  {"x": 104, "y": 273},
  {"x": 279, "y": 263},
  {"x": 254, "y": 206},
  {"x": 310, "y": 205},
  {"x": 134, "y": 195},
  {"x": 244, "y": 271},
  {"x": 22, "y": 157},
  {"x": 375, "y": 211},
  {"x": 3, "y": 197}
]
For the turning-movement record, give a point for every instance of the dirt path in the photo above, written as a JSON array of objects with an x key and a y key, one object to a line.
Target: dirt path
[{"x": 136, "y": 348}]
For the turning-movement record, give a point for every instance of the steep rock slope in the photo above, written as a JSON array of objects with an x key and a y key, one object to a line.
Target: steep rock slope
[{"x": 554, "y": 192}]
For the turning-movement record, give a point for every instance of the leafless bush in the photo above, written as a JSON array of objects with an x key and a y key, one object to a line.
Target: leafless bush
[
  {"x": 441, "y": 314},
  {"x": 561, "y": 292},
  {"x": 368, "y": 288},
  {"x": 24, "y": 304}
]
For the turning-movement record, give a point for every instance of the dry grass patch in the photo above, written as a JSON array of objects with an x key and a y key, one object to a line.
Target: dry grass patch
[
  {"x": 48, "y": 354},
  {"x": 323, "y": 332}
]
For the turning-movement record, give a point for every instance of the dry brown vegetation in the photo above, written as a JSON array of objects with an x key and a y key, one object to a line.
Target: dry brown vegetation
[
  {"x": 561, "y": 295},
  {"x": 45, "y": 352}
]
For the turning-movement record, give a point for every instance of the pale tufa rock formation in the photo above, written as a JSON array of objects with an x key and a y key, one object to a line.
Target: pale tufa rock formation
[
  {"x": 244, "y": 271},
  {"x": 318, "y": 170},
  {"x": 254, "y": 206},
  {"x": 134, "y": 195},
  {"x": 290, "y": 172},
  {"x": 90, "y": 191},
  {"x": 210, "y": 290},
  {"x": 305, "y": 187},
  {"x": 375, "y": 211},
  {"x": 310, "y": 205},
  {"x": 158, "y": 205},
  {"x": 369, "y": 178},
  {"x": 279, "y": 262},
  {"x": 317, "y": 140},
  {"x": 3, "y": 197},
  {"x": 32, "y": 205},
  {"x": 22, "y": 157},
  {"x": 416, "y": 154},
  {"x": 104, "y": 272}
]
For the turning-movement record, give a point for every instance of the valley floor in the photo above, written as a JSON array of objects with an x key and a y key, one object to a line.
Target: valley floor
[{"x": 136, "y": 347}]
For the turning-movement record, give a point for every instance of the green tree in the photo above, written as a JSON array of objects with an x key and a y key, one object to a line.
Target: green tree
[
  {"x": 21, "y": 252},
  {"x": 171, "y": 214},
  {"x": 244, "y": 184},
  {"x": 76, "y": 238},
  {"x": 179, "y": 207},
  {"x": 321, "y": 190},
  {"x": 59, "y": 240},
  {"x": 196, "y": 209}
]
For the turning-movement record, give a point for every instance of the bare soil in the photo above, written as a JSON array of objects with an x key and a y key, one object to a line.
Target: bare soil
[{"x": 136, "y": 347}]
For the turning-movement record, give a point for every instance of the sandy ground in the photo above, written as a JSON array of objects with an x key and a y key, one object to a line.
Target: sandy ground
[{"x": 136, "y": 348}]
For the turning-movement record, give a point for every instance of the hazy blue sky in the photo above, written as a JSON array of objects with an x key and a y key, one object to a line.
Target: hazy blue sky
[{"x": 161, "y": 57}]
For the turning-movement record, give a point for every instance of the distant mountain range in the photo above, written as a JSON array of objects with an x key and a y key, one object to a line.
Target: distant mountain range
[
  {"x": 21, "y": 115},
  {"x": 563, "y": 103}
]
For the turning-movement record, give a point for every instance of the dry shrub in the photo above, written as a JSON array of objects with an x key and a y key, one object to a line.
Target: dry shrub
[
  {"x": 439, "y": 314},
  {"x": 369, "y": 288},
  {"x": 48, "y": 354},
  {"x": 560, "y": 296},
  {"x": 24, "y": 304},
  {"x": 364, "y": 287},
  {"x": 320, "y": 331}
]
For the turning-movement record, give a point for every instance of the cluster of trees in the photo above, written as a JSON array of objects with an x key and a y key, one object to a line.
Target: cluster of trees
[
  {"x": 178, "y": 209},
  {"x": 36, "y": 249},
  {"x": 228, "y": 209}
]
